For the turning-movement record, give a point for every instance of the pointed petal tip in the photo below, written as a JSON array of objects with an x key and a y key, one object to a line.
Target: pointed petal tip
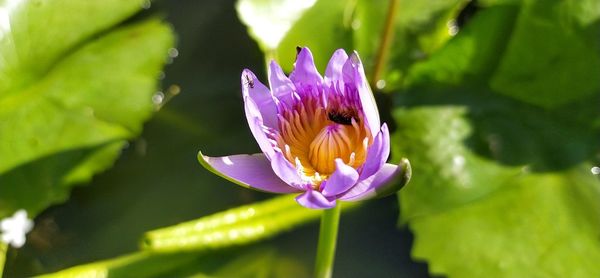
[
  {"x": 340, "y": 51},
  {"x": 247, "y": 72},
  {"x": 305, "y": 71},
  {"x": 304, "y": 49},
  {"x": 202, "y": 159},
  {"x": 385, "y": 130},
  {"x": 247, "y": 80},
  {"x": 333, "y": 72},
  {"x": 355, "y": 58},
  {"x": 305, "y": 56}
]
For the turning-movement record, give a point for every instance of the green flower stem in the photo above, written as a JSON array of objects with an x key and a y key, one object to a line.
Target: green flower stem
[
  {"x": 3, "y": 250},
  {"x": 385, "y": 43},
  {"x": 327, "y": 240}
]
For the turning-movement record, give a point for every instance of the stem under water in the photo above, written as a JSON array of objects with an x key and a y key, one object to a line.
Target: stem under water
[{"x": 327, "y": 240}]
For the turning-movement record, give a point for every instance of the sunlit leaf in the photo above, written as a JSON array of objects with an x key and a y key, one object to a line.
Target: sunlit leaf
[
  {"x": 566, "y": 64},
  {"x": 524, "y": 201},
  {"x": 471, "y": 56},
  {"x": 441, "y": 163},
  {"x": 34, "y": 35},
  {"x": 542, "y": 224},
  {"x": 241, "y": 225},
  {"x": 70, "y": 99},
  {"x": 323, "y": 28},
  {"x": 256, "y": 262},
  {"x": 269, "y": 20},
  {"x": 142, "y": 264}
]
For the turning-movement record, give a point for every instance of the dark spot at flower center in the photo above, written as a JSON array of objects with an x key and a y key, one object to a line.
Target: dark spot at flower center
[{"x": 342, "y": 117}]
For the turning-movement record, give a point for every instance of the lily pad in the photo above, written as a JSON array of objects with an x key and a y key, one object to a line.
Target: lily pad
[
  {"x": 74, "y": 92},
  {"x": 501, "y": 181}
]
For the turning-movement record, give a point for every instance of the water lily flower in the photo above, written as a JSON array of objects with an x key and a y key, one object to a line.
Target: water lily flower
[
  {"x": 14, "y": 229},
  {"x": 319, "y": 136}
]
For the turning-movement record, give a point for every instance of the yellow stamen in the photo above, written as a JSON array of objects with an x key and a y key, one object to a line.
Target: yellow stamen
[{"x": 312, "y": 140}]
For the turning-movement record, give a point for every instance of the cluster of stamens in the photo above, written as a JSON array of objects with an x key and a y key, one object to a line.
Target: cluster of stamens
[{"x": 316, "y": 130}]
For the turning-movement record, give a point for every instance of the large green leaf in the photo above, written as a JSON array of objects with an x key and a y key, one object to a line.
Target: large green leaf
[
  {"x": 472, "y": 55},
  {"x": 505, "y": 221},
  {"x": 566, "y": 63},
  {"x": 34, "y": 35},
  {"x": 444, "y": 163},
  {"x": 73, "y": 93},
  {"x": 501, "y": 184},
  {"x": 538, "y": 225}
]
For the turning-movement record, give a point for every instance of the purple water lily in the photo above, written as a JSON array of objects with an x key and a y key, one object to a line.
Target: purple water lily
[{"x": 319, "y": 135}]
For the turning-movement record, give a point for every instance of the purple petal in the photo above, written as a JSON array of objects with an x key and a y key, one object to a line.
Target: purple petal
[
  {"x": 341, "y": 180},
  {"x": 333, "y": 73},
  {"x": 281, "y": 86},
  {"x": 313, "y": 199},
  {"x": 377, "y": 154},
  {"x": 262, "y": 97},
  {"x": 354, "y": 74},
  {"x": 255, "y": 123},
  {"x": 253, "y": 171},
  {"x": 286, "y": 171},
  {"x": 381, "y": 184},
  {"x": 305, "y": 72}
]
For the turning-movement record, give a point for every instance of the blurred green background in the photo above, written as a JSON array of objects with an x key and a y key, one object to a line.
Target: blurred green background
[{"x": 495, "y": 102}]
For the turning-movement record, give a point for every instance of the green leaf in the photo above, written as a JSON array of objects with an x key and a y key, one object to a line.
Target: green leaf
[
  {"x": 566, "y": 64},
  {"x": 141, "y": 264},
  {"x": 501, "y": 183},
  {"x": 241, "y": 225},
  {"x": 75, "y": 98},
  {"x": 358, "y": 25},
  {"x": 470, "y": 57},
  {"x": 441, "y": 163},
  {"x": 269, "y": 20},
  {"x": 262, "y": 263},
  {"x": 505, "y": 221},
  {"x": 419, "y": 28},
  {"x": 539, "y": 225},
  {"x": 34, "y": 35},
  {"x": 323, "y": 28},
  {"x": 244, "y": 262}
]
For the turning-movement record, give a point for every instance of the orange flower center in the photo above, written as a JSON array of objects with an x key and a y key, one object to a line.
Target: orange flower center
[{"x": 312, "y": 138}]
